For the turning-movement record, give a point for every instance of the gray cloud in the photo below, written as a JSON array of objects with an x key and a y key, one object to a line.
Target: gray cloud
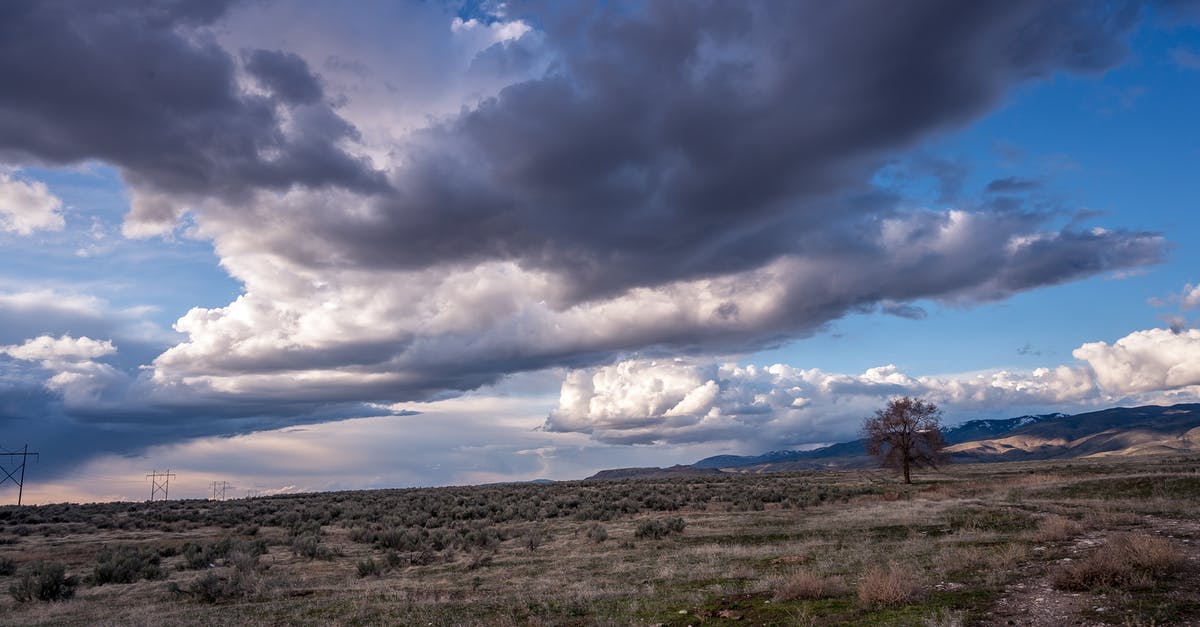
[
  {"x": 143, "y": 86},
  {"x": 682, "y": 177},
  {"x": 285, "y": 74},
  {"x": 404, "y": 335},
  {"x": 679, "y": 141},
  {"x": 685, "y": 178}
]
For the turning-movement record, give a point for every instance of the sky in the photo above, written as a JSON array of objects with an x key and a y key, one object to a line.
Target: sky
[{"x": 299, "y": 246}]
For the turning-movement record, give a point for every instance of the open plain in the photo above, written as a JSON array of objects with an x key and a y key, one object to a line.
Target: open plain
[{"x": 1096, "y": 541}]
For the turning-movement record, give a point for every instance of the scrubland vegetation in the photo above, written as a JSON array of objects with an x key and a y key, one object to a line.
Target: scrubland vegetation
[{"x": 1113, "y": 541}]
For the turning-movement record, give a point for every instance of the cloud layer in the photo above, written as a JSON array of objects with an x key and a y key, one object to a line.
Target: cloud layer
[
  {"x": 417, "y": 203},
  {"x": 681, "y": 401},
  {"x": 717, "y": 198}
]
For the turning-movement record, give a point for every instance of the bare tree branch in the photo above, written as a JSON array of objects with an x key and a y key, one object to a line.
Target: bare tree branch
[{"x": 906, "y": 434}]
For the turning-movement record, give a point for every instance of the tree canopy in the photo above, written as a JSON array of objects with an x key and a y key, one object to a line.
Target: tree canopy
[{"x": 906, "y": 434}]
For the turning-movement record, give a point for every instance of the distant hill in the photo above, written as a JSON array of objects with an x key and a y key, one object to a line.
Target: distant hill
[
  {"x": 1118, "y": 431},
  {"x": 654, "y": 473}
]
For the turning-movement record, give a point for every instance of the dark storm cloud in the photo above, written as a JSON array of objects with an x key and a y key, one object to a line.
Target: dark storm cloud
[
  {"x": 67, "y": 436},
  {"x": 141, "y": 85},
  {"x": 679, "y": 140},
  {"x": 285, "y": 74},
  {"x": 668, "y": 141},
  {"x": 735, "y": 144}
]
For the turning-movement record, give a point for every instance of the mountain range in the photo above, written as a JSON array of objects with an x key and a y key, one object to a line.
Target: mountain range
[{"x": 1146, "y": 430}]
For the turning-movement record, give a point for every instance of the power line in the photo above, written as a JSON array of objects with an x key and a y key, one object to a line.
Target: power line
[
  {"x": 17, "y": 479},
  {"x": 156, "y": 486},
  {"x": 218, "y": 490}
]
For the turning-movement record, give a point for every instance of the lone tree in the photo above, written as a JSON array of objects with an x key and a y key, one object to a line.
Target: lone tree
[{"x": 906, "y": 433}]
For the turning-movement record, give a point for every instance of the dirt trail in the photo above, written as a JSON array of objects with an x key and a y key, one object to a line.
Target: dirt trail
[{"x": 1032, "y": 600}]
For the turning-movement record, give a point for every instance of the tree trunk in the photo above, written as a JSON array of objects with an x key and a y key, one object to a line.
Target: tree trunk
[{"x": 907, "y": 478}]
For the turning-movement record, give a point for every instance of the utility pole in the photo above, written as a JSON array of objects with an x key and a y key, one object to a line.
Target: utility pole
[
  {"x": 18, "y": 479},
  {"x": 156, "y": 485},
  {"x": 218, "y": 490}
]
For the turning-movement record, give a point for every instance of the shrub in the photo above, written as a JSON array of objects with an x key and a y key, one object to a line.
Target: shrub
[
  {"x": 7, "y": 566},
  {"x": 196, "y": 557},
  {"x": 1056, "y": 529},
  {"x": 310, "y": 546},
  {"x": 806, "y": 585},
  {"x": 596, "y": 533},
  {"x": 213, "y": 588},
  {"x": 886, "y": 586},
  {"x": 208, "y": 588},
  {"x": 1005, "y": 520},
  {"x": 369, "y": 567},
  {"x": 533, "y": 539},
  {"x": 1125, "y": 561},
  {"x": 44, "y": 581},
  {"x": 657, "y": 529},
  {"x": 243, "y": 561},
  {"x": 125, "y": 564}
]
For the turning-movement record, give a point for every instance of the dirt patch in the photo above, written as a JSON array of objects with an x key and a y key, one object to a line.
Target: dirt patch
[{"x": 1033, "y": 600}]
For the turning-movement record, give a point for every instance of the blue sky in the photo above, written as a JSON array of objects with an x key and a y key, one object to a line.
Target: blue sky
[{"x": 506, "y": 241}]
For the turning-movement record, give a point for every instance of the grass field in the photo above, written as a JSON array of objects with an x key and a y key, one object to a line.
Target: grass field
[{"x": 1108, "y": 541}]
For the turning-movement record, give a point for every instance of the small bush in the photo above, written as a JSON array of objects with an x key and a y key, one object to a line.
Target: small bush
[
  {"x": 596, "y": 533},
  {"x": 209, "y": 588},
  {"x": 309, "y": 545},
  {"x": 806, "y": 585},
  {"x": 7, "y": 566},
  {"x": 1056, "y": 529},
  {"x": 369, "y": 568},
  {"x": 125, "y": 564},
  {"x": 212, "y": 588},
  {"x": 243, "y": 561},
  {"x": 44, "y": 581},
  {"x": 533, "y": 539},
  {"x": 658, "y": 529},
  {"x": 1126, "y": 561},
  {"x": 886, "y": 586},
  {"x": 196, "y": 556}
]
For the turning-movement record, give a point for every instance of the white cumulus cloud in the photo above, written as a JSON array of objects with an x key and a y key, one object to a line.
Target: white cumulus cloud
[
  {"x": 674, "y": 401},
  {"x": 28, "y": 206},
  {"x": 63, "y": 349},
  {"x": 72, "y": 360},
  {"x": 1145, "y": 361},
  {"x": 1191, "y": 296}
]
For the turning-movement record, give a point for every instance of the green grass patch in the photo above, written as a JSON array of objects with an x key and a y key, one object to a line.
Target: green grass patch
[
  {"x": 1129, "y": 488},
  {"x": 997, "y": 519}
]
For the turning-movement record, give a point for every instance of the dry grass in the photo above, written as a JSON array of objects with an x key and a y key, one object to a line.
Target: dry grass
[
  {"x": 941, "y": 555},
  {"x": 1006, "y": 556},
  {"x": 806, "y": 585},
  {"x": 1056, "y": 529},
  {"x": 887, "y": 585},
  {"x": 1126, "y": 561}
]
